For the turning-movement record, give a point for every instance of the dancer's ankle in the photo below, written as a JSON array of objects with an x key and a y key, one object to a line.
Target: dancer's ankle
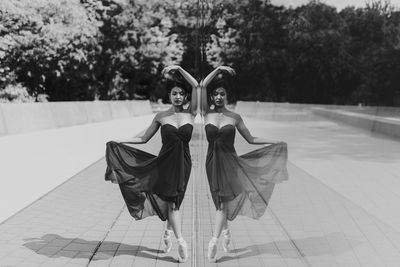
[{"x": 226, "y": 232}]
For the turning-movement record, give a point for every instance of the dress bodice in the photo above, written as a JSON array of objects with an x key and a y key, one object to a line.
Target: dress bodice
[
  {"x": 154, "y": 180},
  {"x": 171, "y": 134},
  {"x": 224, "y": 135},
  {"x": 242, "y": 185}
]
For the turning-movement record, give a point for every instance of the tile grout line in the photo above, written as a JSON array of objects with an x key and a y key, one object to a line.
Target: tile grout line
[
  {"x": 194, "y": 228},
  {"x": 288, "y": 236},
  {"x": 105, "y": 236},
  {"x": 195, "y": 199}
]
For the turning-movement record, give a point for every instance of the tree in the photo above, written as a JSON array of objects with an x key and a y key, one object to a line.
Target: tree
[
  {"x": 50, "y": 46},
  {"x": 136, "y": 45}
]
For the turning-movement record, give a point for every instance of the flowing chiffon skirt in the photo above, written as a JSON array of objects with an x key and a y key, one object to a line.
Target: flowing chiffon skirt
[
  {"x": 149, "y": 183},
  {"x": 242, "y": 185}
]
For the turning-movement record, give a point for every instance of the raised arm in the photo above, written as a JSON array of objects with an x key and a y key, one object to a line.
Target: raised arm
[
  {"x": 195, "y": 86},
  {"x": 191, "y": 80},
  {"x": 216, "y": 71},
  {"x": 247, "y": 135},
  {"x": 195, "y": 99},
  {"x": 148, "y": 134},
  {"x": 203, "y": 99},
  {"x": 204, "y": 83}
]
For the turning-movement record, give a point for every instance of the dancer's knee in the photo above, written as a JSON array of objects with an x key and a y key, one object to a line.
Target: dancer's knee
[{"x": 172, "y": 206}]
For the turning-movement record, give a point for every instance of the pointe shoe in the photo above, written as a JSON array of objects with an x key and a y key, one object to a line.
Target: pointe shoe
[
  {"x": 167, "y": 240},
  {"x": 182, "y": 250},
  {"x": 226, "y": 242},
  {"x": 212, "y": 250}
]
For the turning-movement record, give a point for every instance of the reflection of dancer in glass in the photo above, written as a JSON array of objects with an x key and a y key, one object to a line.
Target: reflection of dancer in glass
[
  {"x": 240, "y": 185},
  {"x": 156, "y": 185}
]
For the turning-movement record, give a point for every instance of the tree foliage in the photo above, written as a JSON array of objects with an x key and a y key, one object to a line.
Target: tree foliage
[
  {"x": 310, "y": 54},
  {"x": 115, "y": 49},
  {"x": 84, "y": 50}
]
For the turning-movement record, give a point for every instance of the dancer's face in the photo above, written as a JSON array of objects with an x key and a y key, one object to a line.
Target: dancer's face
[
  {"x": 219, "y": 97},
  {"x": 177, "y": 96}
]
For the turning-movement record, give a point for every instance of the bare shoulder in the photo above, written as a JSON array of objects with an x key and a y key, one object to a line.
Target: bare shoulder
[
  {"x": 159, "y": 116},
  {"x": 234, "y": 116}
]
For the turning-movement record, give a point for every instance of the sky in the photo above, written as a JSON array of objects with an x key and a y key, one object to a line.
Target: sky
[{"x": 339, "y": 4}]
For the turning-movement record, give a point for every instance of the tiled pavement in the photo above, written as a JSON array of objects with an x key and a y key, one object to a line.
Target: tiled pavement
[{"x": 317, "y": 218}]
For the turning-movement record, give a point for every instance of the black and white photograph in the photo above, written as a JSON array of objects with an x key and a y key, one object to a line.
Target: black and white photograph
[{"x": 200, "y": 133}]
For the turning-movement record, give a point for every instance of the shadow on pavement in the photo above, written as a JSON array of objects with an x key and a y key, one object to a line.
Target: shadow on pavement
[
  {"x": 310, "y": 246},
  {"x": 54, "y": 246}
]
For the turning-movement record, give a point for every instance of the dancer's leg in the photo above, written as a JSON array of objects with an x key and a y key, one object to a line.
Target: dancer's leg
[
  {"x": 169, "y": 226},
  {"x": 227, "y": 236},
  {"x": 167, "y": 237},
  {"x": 221, "y": 223},
  {"x": 225, "y": 226},
  {"x": 174, "y": 220}
]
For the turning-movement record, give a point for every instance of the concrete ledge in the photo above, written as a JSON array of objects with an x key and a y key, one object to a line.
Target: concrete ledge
[
  {"x": 98, "y": 111},
  {"x": 275, "y": 111},
  {"x": 27, "y": 117},
  {"x": 119, "y": 110},
  {"x": 382, "y": 120},
  {"x": 68, "y": 113},
  {"x": 387, "y": 126},
  {"x": 3, "y": 126},
  {"x": 30, "y": 117}
]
